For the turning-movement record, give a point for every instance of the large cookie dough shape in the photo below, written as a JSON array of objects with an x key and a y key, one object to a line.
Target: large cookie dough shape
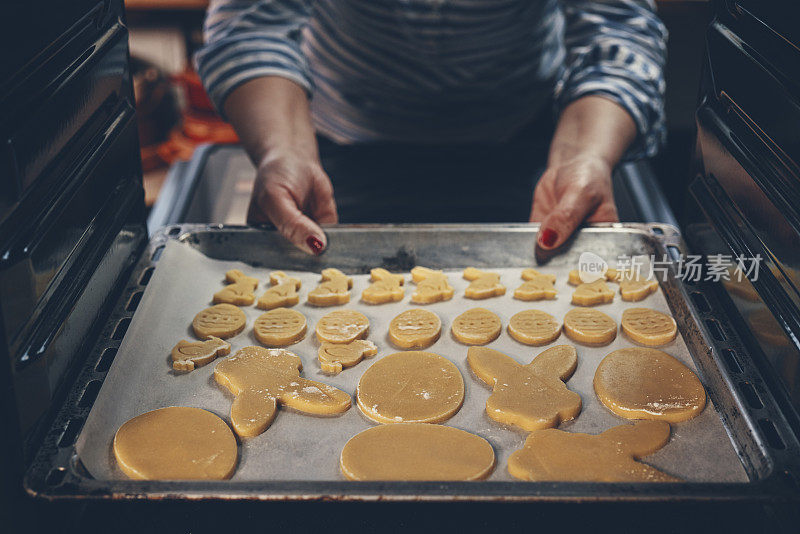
[
  {"x": 432, "y": 286},
  {"x": 555, "y": 455},
  {"x": 385, "y": 287},
  {"x": 333, "y": 289},
  {"x": 187, "y": 355},
  {"x": 483, "y": 284},
  {"x": 282, "y": 294},
  {"x": 240, "y": 290},
  {"x": 531, "y": 396},
  {"x": 261, "y": 378}
]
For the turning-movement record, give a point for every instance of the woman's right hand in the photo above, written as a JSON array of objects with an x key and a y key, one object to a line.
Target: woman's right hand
[{"x": 293, "y": 193}]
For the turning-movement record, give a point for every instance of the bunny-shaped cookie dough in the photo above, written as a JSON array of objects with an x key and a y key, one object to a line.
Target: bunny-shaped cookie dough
[
  {"x": 385, "y": 287},
  {"x": 282, "y": 294},
  {"x": 531, "y": 396},
  {"x": 261, "y": 378},
  {"x": 335, "y": 356},
  {"x": 240, "y": 290},
  {"x": 596, "y": 292},
  {"x": 187, "y": 355},
  {"x": 537, "y": 286},
  {"x": 484, "y": 284},
  {"x": 552, "y": 454},
  {"x": 334, "y": 289},
  {"x": 432, "y": 286}
]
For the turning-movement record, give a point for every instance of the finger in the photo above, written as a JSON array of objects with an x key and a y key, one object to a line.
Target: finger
[
  {"x": 605, "y": 212},
  {"x": 323, "y": 203},
  {"x": 254, "y": 213},
  {"x": 283, "y": 211},
  {"x": 542, "y": 200},
  {"x": 564, "y": 219}
]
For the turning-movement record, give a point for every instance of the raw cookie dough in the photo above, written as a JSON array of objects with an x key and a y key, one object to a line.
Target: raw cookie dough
[
  {"x": 633, "y": 287},
  {"x": 533, "y": 274},
  {"x": 574, "y": 277},
  {"x": 220, "y": 320},
  {"x": 239, "y": 291},
  {"x": 590, "y": 327},
  {"x": 432, "y": 286},
  {"x": 416, "y": 451},
  {"x": 187, "y": 355},
  {"x": 596, "y": 292},
  {"x": 261, "y": 378},
  {"x": 534, "y": 327},
  {"x": 176, "y": 443},
  {"x": 385, "y": 287},
  {"x": 411, "y": 387},
  {"x": 334, "y": 289},
  {"x": 282, "y": 294},
  {"x": 640, "y": 383},
  {"x": 415, "y": 329},
  {"x": 555, "y": 455},
  {"x": 334, "y": 356},
  {"x": 342, "y": 326},
  {"x": 648, "y": 327},
  {"x": 529, "y": 396},
  {"x": 483, "y": 284},
  {"x": 280, "y": 327},
  {"x": 537, "y": 286},
  {"x": 477, "y": 326}
]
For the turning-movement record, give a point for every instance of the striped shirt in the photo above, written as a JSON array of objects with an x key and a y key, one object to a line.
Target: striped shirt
[{"x": 442, "y": 71}]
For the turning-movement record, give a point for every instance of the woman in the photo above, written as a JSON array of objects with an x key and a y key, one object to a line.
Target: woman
[{"x": 436, "y": 109}]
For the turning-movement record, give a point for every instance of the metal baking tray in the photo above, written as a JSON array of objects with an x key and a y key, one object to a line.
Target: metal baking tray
[{"x": 752, "y": 455}]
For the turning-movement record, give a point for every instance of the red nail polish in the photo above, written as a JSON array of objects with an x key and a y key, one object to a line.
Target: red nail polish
[
  {"x": 548, "y": 237},
  {"x": 314, "y": 244}
]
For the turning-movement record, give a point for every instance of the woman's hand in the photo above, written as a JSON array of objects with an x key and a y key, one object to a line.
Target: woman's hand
[
  {"x": 293, "y": 192},
  {"x": 593, "y": 133},
  {"x": 576, "y": 190}
]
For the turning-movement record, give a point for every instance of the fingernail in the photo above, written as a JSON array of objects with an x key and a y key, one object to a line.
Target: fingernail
[
  {"x": 314, "y": 244},
  {"x": 548, "y": 237}
]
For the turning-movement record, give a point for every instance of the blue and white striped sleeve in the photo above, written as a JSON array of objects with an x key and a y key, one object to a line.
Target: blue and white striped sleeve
[
  {"x": 247, "y": 39},
  {"x": 617, "y": 48}
]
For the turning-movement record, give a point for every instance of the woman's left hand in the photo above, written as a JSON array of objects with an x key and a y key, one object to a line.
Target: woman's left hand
[{"x": 575, "y": 190}]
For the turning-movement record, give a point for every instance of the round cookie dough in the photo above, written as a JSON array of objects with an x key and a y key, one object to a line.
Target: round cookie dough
[
  {"x": 280, "y": 327},
  {"x": 416, "y": 451},
  {"x": 641, "y": 383},
  {"x": 415, "y": 329},
  {"x": 534, "y": 327},
  {"x": 589, "y": 326},
  {"x": 648, "y": 327},
  {"x": 411, "y": 387},
  {"x": 342, "y": 326},
  {"x": 221, "y": 320},
  {"x": 176, "y": 443},
  {"x": 477, "y": 326}
]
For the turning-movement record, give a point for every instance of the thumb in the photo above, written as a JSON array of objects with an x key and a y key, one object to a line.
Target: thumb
[
  {"x": 305, "y": 234},
  {"x": 323, "y": 205},
  {"x": 564, "y": 218}
]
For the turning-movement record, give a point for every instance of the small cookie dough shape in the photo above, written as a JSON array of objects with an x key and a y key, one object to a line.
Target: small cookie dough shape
[
  {"x": 333, "y": 290},
  {"x": 333, "y": 357},
  {"x": 176, "y": 443},
  {"x": 477, "y": 326},
  {"x": 648, "y": 327},
  {"x": 385, "y": 287},
  {"x": 432, "y": 286},
  {"x": 483, "y": 284},
  {"x": 531, "y": 396},
  {"x": 574, "y": 277},
  {"x": 590, "y": 327},
  {"x": 591, "y": 294},
  {"x": 555, "y": 455},
  {"x": 642, "y": 383},
  {"x": 633, "y": 287},
  {"x": 240, "y": 290},
  {"x": 342, "y": 326},
  {"x": 221, "y": 320},
  {"x": 415, "y": 329},
  {"x": 263, "y": 378},
  {"x": 282, "y": 294},
  {"x": 187, "y": 355},
  {"x": 411, "y": 387},
  {"x": 534, "y": 327},
  {"x": 537, "y": 286},
  {"x": 280, "y": 327},
  {"x": 416, "y": 451}
]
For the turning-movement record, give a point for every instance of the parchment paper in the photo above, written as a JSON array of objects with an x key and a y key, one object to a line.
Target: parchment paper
[{"x": 303, "y": 447}]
